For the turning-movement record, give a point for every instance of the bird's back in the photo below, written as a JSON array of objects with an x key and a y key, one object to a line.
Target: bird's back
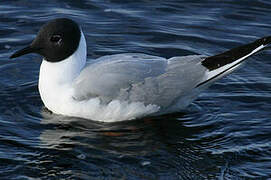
[{"x": 134, "y": 77}]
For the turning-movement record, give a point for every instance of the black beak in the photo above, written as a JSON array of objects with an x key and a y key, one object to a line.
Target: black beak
[{"x": 26, "y": 50}]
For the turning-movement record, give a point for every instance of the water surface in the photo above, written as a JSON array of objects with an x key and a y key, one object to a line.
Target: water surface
[{"x": 224, "y": 134}]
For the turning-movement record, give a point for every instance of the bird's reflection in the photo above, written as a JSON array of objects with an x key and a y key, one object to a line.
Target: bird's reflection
[
  {"x": 128, "y": 137},
  {"x": 137, "y": 137},
  {"x": 163, "y": 142}
]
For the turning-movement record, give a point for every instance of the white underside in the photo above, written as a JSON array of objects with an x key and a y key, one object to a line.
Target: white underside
[{"x": 120, "y": 87}]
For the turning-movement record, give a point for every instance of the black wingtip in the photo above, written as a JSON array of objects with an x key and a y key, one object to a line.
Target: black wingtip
[
  {"x": 266, "y": 40},
  {"x": 234, "y": 54}
]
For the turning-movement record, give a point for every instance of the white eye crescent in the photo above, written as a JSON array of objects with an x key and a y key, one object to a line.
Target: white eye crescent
[{"x": 56, "y": 38}]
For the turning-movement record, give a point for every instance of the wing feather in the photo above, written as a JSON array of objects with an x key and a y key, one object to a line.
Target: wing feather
[
  {"x": 109, "y": 74},
  {"x": 140, "y": 78}
]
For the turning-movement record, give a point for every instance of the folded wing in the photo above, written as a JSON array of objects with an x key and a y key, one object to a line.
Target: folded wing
[{"x": 140, "y": 78}]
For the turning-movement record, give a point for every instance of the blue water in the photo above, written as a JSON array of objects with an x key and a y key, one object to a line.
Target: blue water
[{"x": 224, "y": 134}]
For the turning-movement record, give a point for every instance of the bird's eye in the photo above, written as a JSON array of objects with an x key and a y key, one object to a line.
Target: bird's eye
[{"x": 55, "y": 38}]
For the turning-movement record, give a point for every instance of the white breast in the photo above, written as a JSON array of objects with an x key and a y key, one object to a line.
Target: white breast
[{"x": 55, "y": 79}]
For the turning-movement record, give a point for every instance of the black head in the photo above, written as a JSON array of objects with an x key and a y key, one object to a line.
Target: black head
[{"x": 56, "y": 40}]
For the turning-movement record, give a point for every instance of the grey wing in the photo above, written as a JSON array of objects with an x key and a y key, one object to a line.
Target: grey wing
[
  {"x": 110, "y": 75},
  {"x": 178, "y": 82},
  {"x": 140, "y": 77}
]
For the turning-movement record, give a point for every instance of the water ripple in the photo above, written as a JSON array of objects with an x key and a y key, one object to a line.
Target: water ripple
[{"x": 224, "y": 134}]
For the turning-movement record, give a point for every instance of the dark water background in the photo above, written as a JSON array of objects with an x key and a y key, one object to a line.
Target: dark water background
[{"x": 224, "y": 134}]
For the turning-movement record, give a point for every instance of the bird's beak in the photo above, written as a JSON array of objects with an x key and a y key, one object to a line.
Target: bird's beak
[{"x": 26, "y": 50}]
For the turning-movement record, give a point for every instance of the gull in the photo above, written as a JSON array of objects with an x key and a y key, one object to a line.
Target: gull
[{"x": 122, "y": 86}]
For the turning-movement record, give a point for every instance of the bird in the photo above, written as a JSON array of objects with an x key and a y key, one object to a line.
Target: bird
[{"x": 122, "y": 86}]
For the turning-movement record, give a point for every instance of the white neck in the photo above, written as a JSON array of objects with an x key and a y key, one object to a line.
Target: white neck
[
  {"x": 56, "y": 76},
  {"x": 66, "y": 70}
]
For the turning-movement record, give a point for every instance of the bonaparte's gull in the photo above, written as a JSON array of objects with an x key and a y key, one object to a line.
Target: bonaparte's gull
[{"x": 122, "y": 86}]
